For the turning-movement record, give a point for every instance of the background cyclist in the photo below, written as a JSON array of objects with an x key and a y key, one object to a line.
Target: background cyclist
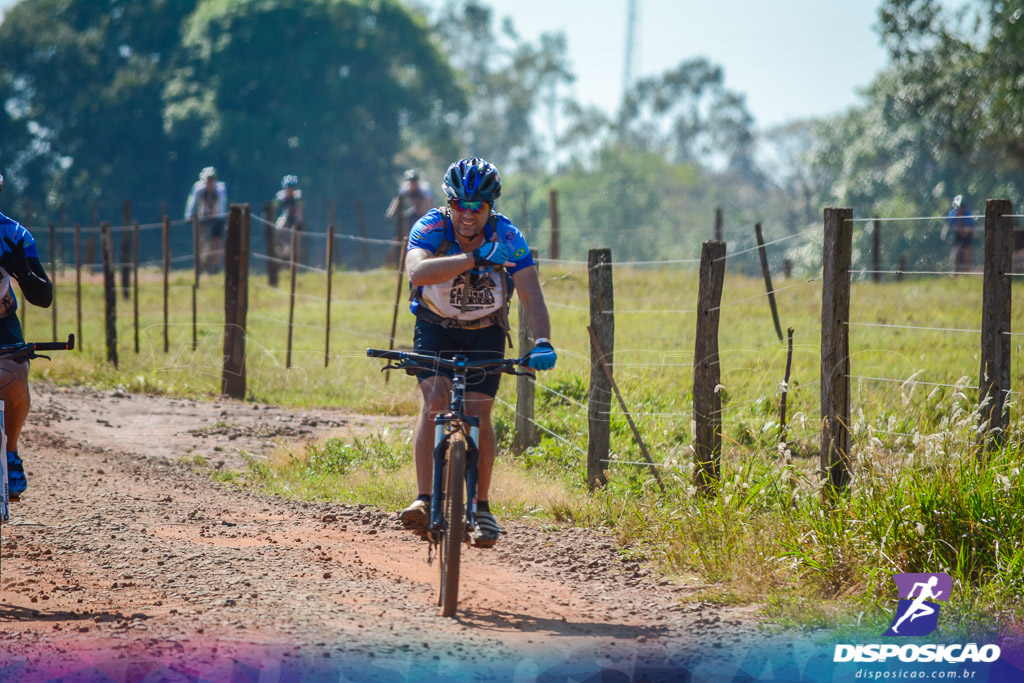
[
  {"x": 291, "y": 214},
  {"x": 208, "y": 201},
  {"x": 19, "y": 260},
  {"x": 457, "y": 261}
]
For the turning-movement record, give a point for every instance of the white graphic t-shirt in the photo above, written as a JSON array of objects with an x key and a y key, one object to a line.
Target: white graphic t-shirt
[{"x": 478, "y": 292}]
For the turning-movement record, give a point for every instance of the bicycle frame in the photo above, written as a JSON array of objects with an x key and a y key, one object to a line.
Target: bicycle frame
[
  {"x": 445, "y": 424},
  {"x": 455, "y": 420}
]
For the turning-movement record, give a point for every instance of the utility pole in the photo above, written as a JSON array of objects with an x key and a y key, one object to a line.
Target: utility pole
[{"x": 629, "y": 68}]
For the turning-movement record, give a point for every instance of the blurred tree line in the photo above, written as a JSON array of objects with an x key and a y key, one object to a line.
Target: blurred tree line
[{"x": 128, "y": 99}]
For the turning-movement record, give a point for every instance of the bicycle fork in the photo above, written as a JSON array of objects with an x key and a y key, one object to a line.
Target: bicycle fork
[
  {"x": 445, "y": 425},
  {"x": 5, "y": 499}
]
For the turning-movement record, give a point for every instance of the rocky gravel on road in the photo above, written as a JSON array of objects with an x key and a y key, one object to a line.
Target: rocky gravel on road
[{"x": 120, "y": 548}]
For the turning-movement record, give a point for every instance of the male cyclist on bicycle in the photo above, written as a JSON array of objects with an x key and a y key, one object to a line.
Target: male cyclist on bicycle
[
  {"x": 19, "y": 260},
  {"x": 462, "y": 261}
]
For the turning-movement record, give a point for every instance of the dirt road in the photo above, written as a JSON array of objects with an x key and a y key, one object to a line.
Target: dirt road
[{"x": 122, "y": 560}]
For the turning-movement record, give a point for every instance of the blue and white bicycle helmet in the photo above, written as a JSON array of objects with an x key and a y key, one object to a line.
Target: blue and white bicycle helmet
[
  {"x": 289, "y": 181},
  {"x": 207, "y": 173},
  {"x": 472, "y": 180}
]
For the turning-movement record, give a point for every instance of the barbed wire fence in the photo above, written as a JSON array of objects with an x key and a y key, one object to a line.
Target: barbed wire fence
[{"x": 311, "y": 257}]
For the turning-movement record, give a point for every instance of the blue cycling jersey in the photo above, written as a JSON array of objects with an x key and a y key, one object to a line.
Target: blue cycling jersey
[{"x": 10, "y": 326}]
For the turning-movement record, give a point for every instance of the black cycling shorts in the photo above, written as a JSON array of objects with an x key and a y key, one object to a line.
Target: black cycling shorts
[{"x": 446, "y": 342}]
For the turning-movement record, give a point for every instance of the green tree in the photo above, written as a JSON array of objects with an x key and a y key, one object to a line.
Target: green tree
[
  {"x": 80, "y": 83},
  {"x": 321, "y": 88}
]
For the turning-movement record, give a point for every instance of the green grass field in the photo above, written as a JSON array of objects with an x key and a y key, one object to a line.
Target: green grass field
[{"x": 921, "y": 499}]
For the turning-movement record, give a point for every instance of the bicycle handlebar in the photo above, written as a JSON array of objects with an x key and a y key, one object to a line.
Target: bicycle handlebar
[
  {"x": 412, "y": 358},
  {"x": 28, "y": 349}
]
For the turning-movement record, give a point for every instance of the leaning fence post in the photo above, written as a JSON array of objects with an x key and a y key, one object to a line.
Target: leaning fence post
[
  {"x": 599, "y": 405},
  {"x": 109, "y": 290},
  {"x": 525, "y": 435},
  {"x": 994, "y": 384},
  {"x": 835, "y": 351},
  {"x": 707, "y": 401},
  {"x": 767, "y": 278},
  {"x": 404, "y": 246},
  {"x": 718, "y": 224}
]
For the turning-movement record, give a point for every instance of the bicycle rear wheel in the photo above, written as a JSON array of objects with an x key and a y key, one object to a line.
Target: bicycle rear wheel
[{"x": 454, "y": 534}]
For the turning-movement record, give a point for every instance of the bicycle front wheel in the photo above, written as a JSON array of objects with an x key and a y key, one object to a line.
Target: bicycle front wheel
[{"x": 455, "y": 531}]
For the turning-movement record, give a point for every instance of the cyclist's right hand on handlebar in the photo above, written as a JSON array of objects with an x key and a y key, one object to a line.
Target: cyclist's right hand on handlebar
[
  {"x": 491, "y": 254},
  {"x": 541, "y": 357}
]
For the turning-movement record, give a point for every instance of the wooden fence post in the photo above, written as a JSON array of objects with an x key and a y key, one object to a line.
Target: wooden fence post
[
  {"x": 994, "y": 384},
  {"x": 718, "y": 224},
  {"x": 236, "y": 260},
  {"x": 291, "y": 301},
  {"x": 835, "y": 351},
  {"x": 135, "y": 282},
  {"x": 599, "y": 405},
  {"x": 526, "y": 430},
  {"x": 53, "y": 278},
  {"x": 707, "y": 401},
  {"x": 330, "y": 274},
  {"x": 78, "y": 286},
  {"x": 165, "y": 249},
  {"x": 270, "y": 239},
  {"x": 197, "y": 257},
  {"x": 126, "y": 249},
  {"x": 767, "y": 278},
  {"x": 876, "y": 251},
  {"x": 109, "y": 290},
  {"x": 62, "y": 255},
  {"x": 555, "y": 230}
]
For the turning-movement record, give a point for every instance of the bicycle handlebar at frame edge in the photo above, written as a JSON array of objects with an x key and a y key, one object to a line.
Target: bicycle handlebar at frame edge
[
  {"x": 413, "y": 359},
  {"x": 28, "y": 349}
]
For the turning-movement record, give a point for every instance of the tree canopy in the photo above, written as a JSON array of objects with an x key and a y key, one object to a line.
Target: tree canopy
[{"x": 121, "y": 99}]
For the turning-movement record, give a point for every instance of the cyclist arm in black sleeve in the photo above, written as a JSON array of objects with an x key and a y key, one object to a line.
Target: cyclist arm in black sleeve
[{"x": 35, "y": 285}]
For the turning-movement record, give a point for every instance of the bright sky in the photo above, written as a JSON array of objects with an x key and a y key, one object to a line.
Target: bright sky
[{"x": 791, "y": 58}]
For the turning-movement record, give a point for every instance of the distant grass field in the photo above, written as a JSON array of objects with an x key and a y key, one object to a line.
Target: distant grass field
[{"x": 921, "y": 501}]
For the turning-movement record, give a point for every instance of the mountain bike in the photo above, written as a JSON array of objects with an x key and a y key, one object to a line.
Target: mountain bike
[
  {"x": 456, "y": 434},
  {"x": 22, "y": 352}
]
